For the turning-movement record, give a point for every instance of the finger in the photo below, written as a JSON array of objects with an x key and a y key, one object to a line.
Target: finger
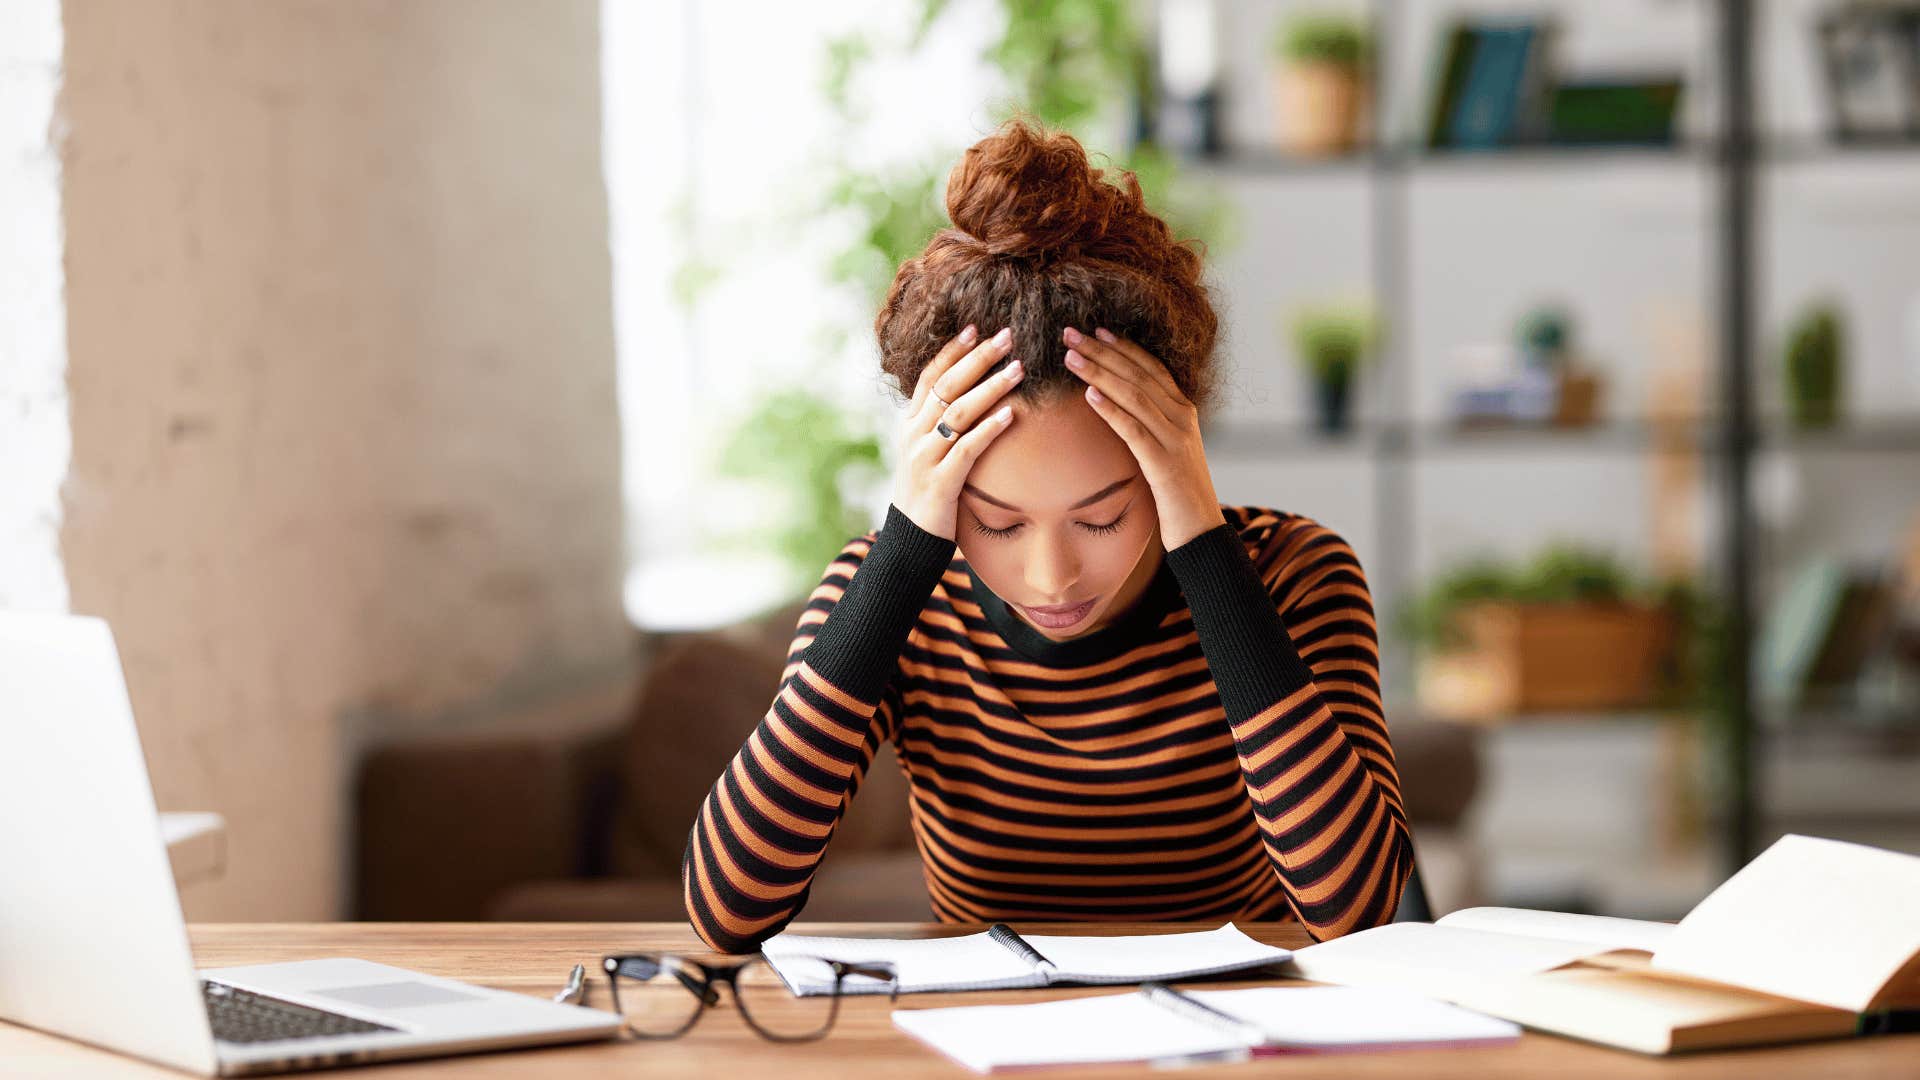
[
  {"x": 979, "y": 401},
  {"x": 1138, "y": 437},
  {"x": 955, "y": 348},
  {"x": 1120, "y": 353},
  {"x": 966, "y": 371},
  {"x": 967, "y": 449},
  {"x": 1144, "y": 403}
]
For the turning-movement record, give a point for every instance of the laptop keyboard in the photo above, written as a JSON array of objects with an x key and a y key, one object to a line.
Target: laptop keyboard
[{"x": 241, "y": 1016}]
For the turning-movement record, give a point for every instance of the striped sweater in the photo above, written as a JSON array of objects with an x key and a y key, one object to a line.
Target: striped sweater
[{"x": 1217, "y": 751}]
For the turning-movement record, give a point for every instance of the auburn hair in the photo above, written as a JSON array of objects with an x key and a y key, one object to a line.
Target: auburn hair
[{"x": 1042, "y": 240}]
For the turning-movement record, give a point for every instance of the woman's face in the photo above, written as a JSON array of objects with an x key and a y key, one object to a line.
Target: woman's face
[{"x": 1071, "y": 515}]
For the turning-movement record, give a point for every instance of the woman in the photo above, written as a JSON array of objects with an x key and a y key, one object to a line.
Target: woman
[{"x": 1112, "y": 696}]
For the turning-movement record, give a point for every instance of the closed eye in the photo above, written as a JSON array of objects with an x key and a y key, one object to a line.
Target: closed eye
[{"x": 1103, "y": 530}]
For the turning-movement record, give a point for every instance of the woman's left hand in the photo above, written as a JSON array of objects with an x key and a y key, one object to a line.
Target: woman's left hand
[{"x": 1136, "y": 396}]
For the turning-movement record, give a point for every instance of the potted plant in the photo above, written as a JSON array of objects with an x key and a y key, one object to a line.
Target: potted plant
[
  {"x": 1814, "y": 361},
  {"x": 1320, "y": 85},
  {"x": 1571, "y": 630},
  {"x": 1333, "y": 341}
]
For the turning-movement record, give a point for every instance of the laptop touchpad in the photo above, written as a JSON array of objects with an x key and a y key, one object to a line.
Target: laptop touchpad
[{"x": 397, "y": 995}]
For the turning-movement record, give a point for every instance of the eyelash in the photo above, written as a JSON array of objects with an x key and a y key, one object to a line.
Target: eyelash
[{"x": 1105, "y": 530}]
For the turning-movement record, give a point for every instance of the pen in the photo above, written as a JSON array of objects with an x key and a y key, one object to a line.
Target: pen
[{"x": 575, "y": 992}]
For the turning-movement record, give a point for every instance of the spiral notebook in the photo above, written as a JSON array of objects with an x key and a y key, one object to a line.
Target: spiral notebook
[{"x": 1001, "y": 959}]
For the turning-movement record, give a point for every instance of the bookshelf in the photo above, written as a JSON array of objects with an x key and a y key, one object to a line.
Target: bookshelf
[{"x": 1732, "y": 439}]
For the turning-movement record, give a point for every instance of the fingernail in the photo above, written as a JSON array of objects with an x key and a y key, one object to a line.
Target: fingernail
[
  {"x": 1104, "y": 334},
  {"x": 1094, "y": 394},
  {"x": 1072, "y": 336},
  {"x": 1014, "y": 370},
  {"x": 1075, "y": 360},
  {"x": 1005, "y": 414},
  {"x": 967, "y": 335},
  {"x": 1004, "y": 336}
]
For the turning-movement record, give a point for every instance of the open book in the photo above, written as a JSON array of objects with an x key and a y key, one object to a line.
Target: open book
[
  {"x": 1161, "y": 1024},
  {"x": 1812, "y": 939},
  {"x": 1000, "y": 959}
]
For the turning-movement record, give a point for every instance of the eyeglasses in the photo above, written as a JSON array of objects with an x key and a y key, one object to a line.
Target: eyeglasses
[{"x": 661, "y": 995}]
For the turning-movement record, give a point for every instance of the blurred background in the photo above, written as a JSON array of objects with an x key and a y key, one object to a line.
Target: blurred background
[{"x": 449, "y": 403}]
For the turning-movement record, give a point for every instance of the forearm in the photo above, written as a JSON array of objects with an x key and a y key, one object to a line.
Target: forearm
[
  {"x": 764, "y": 826},
  {"x": 1308, "y": 728}
]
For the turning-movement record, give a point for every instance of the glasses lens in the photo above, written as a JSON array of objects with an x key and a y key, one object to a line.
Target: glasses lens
[
  {"x": 775, "y": 1010},
  {"x": 652, "y": 995}
]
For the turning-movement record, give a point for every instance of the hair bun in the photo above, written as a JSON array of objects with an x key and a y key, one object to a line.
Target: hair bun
[{"x": 1023, "y": 192}]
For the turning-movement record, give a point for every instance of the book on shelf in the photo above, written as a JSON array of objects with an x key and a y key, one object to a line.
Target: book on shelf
[{"x": 1812, "y": 939}]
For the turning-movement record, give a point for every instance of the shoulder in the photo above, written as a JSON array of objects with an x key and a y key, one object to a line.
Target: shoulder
[{"x": 1285, "y": 546}]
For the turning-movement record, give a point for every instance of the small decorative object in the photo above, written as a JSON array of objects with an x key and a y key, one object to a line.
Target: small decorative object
[
  {"x": 1814, "y": 362},
  {"x": 1871, "y": 56},
  {"x": 1188, "y": 120},
  {"x": 1320, "y": 87},
  {"x": 1333, "y": 341},
  {"x": 1545, "y": 338}
]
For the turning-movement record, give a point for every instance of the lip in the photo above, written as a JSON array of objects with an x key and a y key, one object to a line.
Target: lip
[{"x": 1060, "y": 618}]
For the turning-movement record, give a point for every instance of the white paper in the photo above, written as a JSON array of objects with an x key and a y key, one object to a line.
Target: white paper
[
  {"x": 1131, "y": 1027},
  {"x": 1106, "y": 1028},
  {"x": 1137, "y": 958},
  {"x": 1601, "y": 930},
  {"x": 1347, "y": 1017}
]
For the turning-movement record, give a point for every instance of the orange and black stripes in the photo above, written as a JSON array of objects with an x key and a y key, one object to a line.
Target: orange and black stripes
[{"x": 1219, "y": 751}]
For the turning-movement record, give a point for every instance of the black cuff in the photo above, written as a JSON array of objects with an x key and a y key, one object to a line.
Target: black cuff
[
  {"x": 1248, "y": 650},
  {"x": 858, "y": 646}
]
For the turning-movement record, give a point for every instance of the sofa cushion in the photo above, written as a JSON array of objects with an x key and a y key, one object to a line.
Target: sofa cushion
[
  {"x": 856, "y": 887},
  {"x": 700, "y": 698}
]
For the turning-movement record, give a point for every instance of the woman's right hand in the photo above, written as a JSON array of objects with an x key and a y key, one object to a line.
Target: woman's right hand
[{"x": 932, "y": 469}]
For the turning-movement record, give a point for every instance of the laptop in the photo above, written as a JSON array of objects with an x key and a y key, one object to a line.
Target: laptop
[{"x": 92, "y": 943}]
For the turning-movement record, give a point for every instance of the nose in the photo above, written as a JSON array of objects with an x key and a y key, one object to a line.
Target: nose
[{"x": 1052, "y": 568}]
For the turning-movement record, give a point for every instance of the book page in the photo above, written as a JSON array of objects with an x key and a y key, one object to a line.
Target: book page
[
  {"x": 1328, "y": 1017},
  {"x": 1107, "y": 1028},
  {"x": 1604, "y": 931},
  {"x": 1817, "y": 920},
  {"x": 973, "y": 961},
  {"x": 1139, "y": 957}
]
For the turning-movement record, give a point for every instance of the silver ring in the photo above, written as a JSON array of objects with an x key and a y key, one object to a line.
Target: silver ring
[
  {"x": 946, "y": 432},
  {"x": 944, "y": 403}
]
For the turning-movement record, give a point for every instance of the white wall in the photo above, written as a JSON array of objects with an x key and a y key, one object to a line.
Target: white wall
[
  {"x": 346, "y": 451},
  {"x": 33, "y": 323}
]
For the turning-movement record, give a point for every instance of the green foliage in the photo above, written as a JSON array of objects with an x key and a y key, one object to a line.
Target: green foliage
[
  {"x": 1560, "y": 573},
  {"x": 801, "y": 444},
  {"x": 1333, "y": 340},
  {"x": 1813, "y": 365},
  {"x": 1544, "y": 334},
  {"x": 1321, "y": 37}
]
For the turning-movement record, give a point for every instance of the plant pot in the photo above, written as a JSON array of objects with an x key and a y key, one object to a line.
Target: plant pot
[
  {"x": 1570, "y": 657},
  {"x": 1813, "y": 390},
  {"x": 1317, "y": 108},
  {"x": 1332, "y": 397}
]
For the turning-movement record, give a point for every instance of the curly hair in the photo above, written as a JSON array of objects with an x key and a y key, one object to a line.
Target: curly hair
[{"x": 1041, "y": 241}]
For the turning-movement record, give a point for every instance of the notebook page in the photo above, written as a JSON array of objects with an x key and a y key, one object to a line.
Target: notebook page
[
  {"x": 969, "y": 962},
  {"x": 1330, "y": 1017},
  {"x": 1107, "y": 1028},
  {"x": 1137, "y": 958},
  {"x": 1816, "y": 920},
  {"x": 1430, "y": 959},
  {"x": 1604, "y": 931}
]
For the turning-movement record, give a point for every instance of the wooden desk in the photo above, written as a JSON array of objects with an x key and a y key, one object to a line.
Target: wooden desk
[{"x": 534, "y": 958}]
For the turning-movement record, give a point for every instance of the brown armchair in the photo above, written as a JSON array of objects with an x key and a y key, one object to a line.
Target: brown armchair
[{"x": 587, "y": 819}]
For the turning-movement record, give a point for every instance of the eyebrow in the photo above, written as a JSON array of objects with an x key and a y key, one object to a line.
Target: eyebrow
[{"x": 1088, "y": 501}]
